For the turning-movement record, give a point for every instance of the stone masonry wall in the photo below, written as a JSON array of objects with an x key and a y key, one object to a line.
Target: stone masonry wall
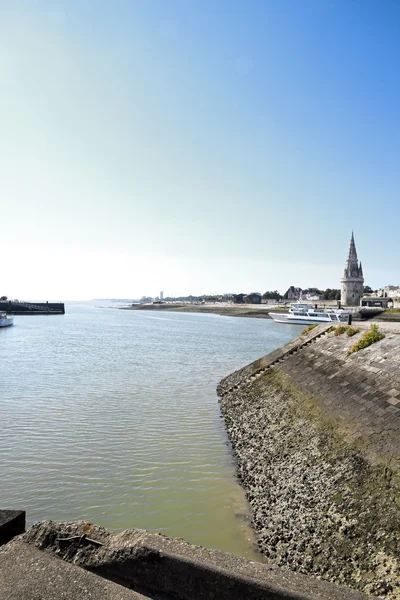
[
  {"x": 361, "y": 390},
  {"x": 315, "y": 433},
  {"x": 351, "y": 291}
]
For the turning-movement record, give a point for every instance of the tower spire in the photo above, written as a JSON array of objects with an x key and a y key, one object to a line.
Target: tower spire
[
  {"x": 353, "y": 278},
  {"x": 352, "y": 250}
]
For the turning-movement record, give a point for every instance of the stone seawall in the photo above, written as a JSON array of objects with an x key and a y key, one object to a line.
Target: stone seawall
[{"x": 315, "y": 432}]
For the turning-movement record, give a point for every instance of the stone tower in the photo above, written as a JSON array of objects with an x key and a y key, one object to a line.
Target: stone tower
[{"x": 353, "y": 278}]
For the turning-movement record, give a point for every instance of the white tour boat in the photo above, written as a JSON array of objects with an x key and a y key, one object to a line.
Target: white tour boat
[
  {"x": 306, "y": 314},
  {"x": 5, "y": 319}
]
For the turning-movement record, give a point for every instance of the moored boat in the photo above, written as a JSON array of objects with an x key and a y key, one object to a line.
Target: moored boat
[
  {"x": 306, "y": 314},
  {"x": 6, "y": 320}
]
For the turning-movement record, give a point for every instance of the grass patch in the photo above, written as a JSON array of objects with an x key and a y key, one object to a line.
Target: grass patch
[
  {"x": 369, "y": 337},
  {"x": 352, "y": 331},
  {"x": 341, "y": 329},
  {"x": 308, "y": 328}
]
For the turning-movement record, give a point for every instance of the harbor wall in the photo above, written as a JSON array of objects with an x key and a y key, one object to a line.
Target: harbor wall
[
  {"x": 315, "y": 433},
  {"x": 33, "y": 308}
]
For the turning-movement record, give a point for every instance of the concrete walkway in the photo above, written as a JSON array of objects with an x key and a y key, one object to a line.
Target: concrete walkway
[{"x": 384, "y": 326}]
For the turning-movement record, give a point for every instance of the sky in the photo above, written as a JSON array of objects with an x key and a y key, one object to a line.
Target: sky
[{"x": 197, "y": 146}]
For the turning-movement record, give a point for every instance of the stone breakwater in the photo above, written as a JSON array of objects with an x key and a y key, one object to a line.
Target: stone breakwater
[{"x": 315, "y": 432}]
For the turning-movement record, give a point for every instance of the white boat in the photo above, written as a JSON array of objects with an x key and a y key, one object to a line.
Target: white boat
[
  {"x": 306, "y": 314},
  {"x": 5, "y": 319}
]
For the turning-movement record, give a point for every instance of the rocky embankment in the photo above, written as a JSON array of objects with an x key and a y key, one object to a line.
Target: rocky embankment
[{"x": 315, "y": 432}]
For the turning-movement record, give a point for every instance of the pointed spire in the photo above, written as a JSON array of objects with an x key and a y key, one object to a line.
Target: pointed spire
[
  {"x": 352, "y": 250},
  {"x": 352, "y": 269},
  {"x": 360, "y": 271}
]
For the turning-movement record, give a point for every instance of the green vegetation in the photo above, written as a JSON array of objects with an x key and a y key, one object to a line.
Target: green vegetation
[
  {"x": 340, "y": 329},
  {"x": 352, "y": 331},
  {"x": 308, "y": 328},
  {"x": 369, "y": 337},
  {"x": 331, "y": 294},
  {"x": 275, "y": 295},
  {"x": 368, "y": 289}
]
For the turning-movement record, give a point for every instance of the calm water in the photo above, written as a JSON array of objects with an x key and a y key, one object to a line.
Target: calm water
[{"x": 112, "y": 416}]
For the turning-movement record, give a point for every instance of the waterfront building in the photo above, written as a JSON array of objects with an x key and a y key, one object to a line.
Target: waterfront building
[
  {"x": 377, "y": 302},
  {"x": 293, "y": 293},
  {"x": 239, "y": 298},
  {"x": 254, "y": 298},
  {"x": 352, "y": 282}
]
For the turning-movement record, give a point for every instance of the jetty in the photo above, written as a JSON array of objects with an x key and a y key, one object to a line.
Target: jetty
[{"x": 14, "y": 307}]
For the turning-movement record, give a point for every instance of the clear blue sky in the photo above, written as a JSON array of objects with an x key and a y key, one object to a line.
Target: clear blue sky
[{"x": 197, "y": 146}]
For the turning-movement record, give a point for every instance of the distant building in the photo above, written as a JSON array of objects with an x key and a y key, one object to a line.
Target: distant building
[
  {"x": 239, "y": 298},
  {"x": 352, "y": 282},
  {"x": 161, "y": 296},
  {"x": 254, "y": 298},
  {"x": 293, "y": 293},
  {"x": 314, "y": 297},
  {"x": 389, "y": 291},
  {"x": 377, "y": 301}
]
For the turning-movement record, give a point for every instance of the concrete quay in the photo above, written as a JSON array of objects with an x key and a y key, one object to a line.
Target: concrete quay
[
  {"x": 315, "y": 433},
  {"x": 384, "y": 326},
  {"x": 79, "y": 560}
]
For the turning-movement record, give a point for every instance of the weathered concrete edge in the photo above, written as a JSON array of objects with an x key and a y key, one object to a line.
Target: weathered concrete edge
[
  {"x": 27, "y": 573},
  {"x": 256, "y": 368},
  {"x": 12, "y": 523},
  {"x": 142, "y": 560}
]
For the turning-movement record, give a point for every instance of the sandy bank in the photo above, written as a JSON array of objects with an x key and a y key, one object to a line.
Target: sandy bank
[{"x": 224, "y": 309}]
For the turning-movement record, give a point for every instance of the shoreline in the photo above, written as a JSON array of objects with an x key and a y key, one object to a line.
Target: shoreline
[
  {"x": 258, "y": 311},
  {"x": 253, "y": 311}
]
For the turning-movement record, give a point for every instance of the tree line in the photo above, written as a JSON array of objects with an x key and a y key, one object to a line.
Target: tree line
[{"x": 328, "y": 294}]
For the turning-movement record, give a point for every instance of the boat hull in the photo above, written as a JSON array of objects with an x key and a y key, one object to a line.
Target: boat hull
[{"x": 6, "y": 322}]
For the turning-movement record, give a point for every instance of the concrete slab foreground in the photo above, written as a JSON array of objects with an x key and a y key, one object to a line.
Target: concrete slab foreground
[
  {"x": 27, "y": 573},
  {"x": 172, "y": 568}
]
